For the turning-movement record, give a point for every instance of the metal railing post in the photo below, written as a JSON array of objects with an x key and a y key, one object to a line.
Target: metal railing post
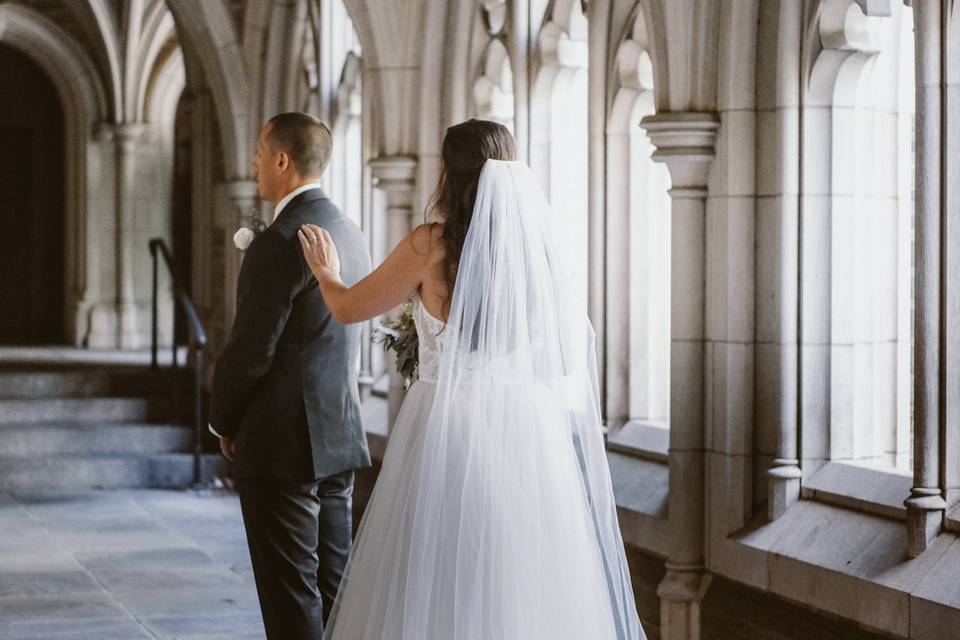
[
  {"x": 153, "y": 323},
  {"x": 198, "y": 414},
  {"x": 198, "y": 340}
]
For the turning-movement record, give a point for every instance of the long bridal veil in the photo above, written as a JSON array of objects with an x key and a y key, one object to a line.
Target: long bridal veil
[{"x": 502, "y": 510}]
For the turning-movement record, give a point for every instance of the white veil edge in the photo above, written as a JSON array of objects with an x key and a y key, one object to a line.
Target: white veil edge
[{"x": 519, "y": 331}]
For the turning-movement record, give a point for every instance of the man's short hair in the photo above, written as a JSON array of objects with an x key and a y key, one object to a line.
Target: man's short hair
[{"x": 304, "y": 138}]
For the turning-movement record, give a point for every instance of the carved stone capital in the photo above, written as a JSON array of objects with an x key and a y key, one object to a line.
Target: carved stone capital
[
  {"x": 396, "y": 176},
  {"x": 686, "y": 143},
  {"x": 394, "y": 173},
  {"x": 126, "y": 135}
]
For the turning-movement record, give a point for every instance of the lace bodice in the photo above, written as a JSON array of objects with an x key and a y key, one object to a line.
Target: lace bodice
[
  {"x": 429, "y": 330},
  {"x": 434, "y": 337}
]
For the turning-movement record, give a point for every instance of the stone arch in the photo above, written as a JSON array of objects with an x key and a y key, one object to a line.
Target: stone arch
[
  {"x": 209, "y": 29},
  {"x": 392, "y": 61},
  {"x": 101, "y": 15},
  {"x": 157, "y": 52},
  {"x": 85, "y": 105},
  {"x": 456, "y": 83},
  {"x": 274, "y": 37},
  {"x": 364, "y": 24},
  {"x": 684, "y": 52},
  {"x": 71, "y": 69},
  {"x": 167, "y": 83}
]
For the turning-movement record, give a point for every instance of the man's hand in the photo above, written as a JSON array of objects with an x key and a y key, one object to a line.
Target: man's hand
[{"x": 226, "y": 447}]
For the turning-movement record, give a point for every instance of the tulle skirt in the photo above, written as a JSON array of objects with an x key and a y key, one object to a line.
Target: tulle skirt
[{"x": 478, "y": 528}]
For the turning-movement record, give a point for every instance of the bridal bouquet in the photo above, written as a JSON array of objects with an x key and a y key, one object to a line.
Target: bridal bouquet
[
  {"x": 399, "y": 334},
  {"x": 245, "y": 235}
]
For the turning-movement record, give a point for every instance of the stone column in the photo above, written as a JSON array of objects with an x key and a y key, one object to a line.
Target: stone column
[
  {"x": 685, "y": 142},
  {"x": 950, "y": 152},
  {"x": 396, "y": 176},
  {"x": 597, "y": 233},
  {"x": 126, "y": 138},
  {"x": 777, "y": 295},
  {"x": 926, "y": 505}
]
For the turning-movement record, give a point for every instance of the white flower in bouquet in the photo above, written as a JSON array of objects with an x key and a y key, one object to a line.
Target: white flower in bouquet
[
  {"x": 387, "y": 331},
  {"x": 399, "y": 334}
]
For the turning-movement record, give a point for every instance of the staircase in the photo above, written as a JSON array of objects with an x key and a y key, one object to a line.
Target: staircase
[{"x": 84, "y": 426}]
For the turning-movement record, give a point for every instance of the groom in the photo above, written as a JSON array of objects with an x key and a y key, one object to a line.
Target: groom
[{"x": 285, "y": 401}]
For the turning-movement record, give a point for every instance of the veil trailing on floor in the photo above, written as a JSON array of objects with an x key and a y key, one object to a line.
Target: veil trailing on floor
[{"x": 501, "y": 512}]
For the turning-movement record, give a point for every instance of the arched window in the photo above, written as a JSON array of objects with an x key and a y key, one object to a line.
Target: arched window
[
  {"x": 345, "y": 175},
  {"x": 856, "y": 238},
  {"x": 332, "y": 89},
  {"x": 638, "y": 247},
  {"x": 558, "y": 150},
  {"x": 493, "y": 90},
  {"x": 331, "y": 71}
]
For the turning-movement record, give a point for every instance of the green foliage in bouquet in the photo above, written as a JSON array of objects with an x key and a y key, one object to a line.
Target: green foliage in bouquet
[{"x": 399, "y": 334}]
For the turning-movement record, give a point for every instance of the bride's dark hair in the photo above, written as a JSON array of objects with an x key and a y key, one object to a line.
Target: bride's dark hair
[{"x": 466, "y": 146}]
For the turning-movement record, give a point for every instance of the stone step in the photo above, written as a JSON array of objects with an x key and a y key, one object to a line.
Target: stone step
[
  {"x": 159, "y": 471},
  {"x": 61, "y": 355},
  {"x": 82, "y": 383},
  {"x": 83, "y": 438},
  {"x": 47, "y": 410}
]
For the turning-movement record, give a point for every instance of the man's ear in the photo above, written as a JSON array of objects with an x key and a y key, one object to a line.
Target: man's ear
[{"x": 283, "y": 161}]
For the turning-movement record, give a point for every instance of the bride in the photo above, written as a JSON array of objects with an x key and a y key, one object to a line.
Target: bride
[{"x": 493, "y": 517}]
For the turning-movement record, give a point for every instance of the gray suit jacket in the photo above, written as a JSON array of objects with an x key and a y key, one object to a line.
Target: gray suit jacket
[{"x": 285, "y": 386}]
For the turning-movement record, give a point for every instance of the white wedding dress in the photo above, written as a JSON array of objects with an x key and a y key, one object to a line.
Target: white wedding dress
[{"x": 493, "y": 516}]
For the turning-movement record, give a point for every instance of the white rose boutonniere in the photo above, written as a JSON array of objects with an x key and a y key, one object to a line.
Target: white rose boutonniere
[{"x": 245, "y": 235}]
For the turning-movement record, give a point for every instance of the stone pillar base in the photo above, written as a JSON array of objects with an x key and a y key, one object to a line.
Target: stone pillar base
[
  {"x": 102, "y": 326},
  {"x": 783, "y": 487},
  {"x": 681, "y": 593},
  {"x": 130, "y": 338},
  {"x": 925, "y": 509}
]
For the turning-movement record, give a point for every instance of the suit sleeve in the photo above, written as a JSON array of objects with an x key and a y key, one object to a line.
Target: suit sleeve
[{"x": 269, "y": 280}]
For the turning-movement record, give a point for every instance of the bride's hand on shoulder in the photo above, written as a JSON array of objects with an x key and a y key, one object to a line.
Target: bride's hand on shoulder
[
  {"x": 386, "y": 287},
  {"x": 320, "y": 251}
]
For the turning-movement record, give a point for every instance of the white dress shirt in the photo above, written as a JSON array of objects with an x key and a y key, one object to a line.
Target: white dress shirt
[{"x": 276, "y": 212}]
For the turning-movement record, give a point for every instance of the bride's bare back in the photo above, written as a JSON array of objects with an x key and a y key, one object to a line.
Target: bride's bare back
[{"x": 434, "y": 292}]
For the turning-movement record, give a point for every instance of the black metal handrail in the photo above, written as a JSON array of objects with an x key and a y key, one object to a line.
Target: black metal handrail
[{"x": 198, "y": 341}]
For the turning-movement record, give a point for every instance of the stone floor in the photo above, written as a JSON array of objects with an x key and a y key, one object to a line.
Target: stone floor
[{"x": 119, "y": 565}]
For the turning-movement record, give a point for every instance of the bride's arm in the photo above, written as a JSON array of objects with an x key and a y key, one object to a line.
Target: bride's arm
[{"x": 389, "y": 285}]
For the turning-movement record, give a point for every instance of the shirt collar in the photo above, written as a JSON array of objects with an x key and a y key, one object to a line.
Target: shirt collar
[{"x": 293, "y": 194}]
